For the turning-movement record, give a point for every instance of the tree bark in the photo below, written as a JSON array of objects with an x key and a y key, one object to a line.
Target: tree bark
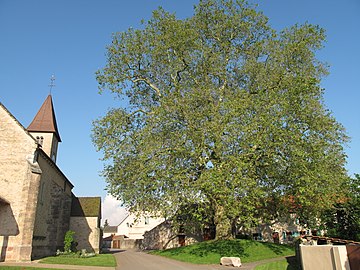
[{"x": 222, "y": 223}]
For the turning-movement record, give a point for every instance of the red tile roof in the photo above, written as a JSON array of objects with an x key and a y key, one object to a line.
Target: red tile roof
[{"x": 45, "y": 120}]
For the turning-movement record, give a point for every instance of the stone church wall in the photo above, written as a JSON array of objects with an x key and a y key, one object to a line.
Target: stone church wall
[
  {"x": 35, "y": 196},
  {"x": 16, "y": 156},
  {"x": 53, "y": 210}
]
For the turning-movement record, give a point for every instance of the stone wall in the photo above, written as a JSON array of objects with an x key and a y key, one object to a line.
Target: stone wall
[
  {"x": 164, "y": 236},
  {"x": 87, "y": 233},
  {"x": 20, "y": 176},
  {"x": 326, "y": 257},
  {"x": 53, "y": 210}
]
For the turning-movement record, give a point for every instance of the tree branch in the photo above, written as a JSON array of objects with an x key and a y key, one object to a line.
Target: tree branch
[{"x": 154, "y": 87}]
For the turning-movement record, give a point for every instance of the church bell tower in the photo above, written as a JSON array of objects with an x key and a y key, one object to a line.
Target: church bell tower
[{"x": 44, "y": 129}]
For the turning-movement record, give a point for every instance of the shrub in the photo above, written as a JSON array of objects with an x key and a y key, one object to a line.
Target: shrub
[{"x": 68, "y": 241}]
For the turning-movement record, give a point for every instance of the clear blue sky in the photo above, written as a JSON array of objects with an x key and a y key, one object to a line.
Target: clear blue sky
[{"x": 67, "y": 38}]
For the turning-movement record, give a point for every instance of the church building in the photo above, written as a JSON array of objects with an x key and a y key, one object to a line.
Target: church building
[{"x": 37, "y": 206}]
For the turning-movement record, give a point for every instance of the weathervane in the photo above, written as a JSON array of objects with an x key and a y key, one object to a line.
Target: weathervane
[{"x": 52, "y": 82}]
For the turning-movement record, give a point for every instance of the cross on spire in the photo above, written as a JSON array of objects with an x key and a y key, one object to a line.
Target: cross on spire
[{"x": 52, "y": 82}]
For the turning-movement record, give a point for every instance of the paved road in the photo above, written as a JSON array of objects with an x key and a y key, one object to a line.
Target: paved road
[
  {"x": 134, "y": 260},
  {"x": 56, "y": 266}
]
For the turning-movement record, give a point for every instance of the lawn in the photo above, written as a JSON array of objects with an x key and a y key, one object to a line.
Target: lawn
[
  {"x": 98, "y": 260},
  {"x": 25, "y": 268},
  {"x": 278, "y": 265},
  {"x": 210, "y": 252}
]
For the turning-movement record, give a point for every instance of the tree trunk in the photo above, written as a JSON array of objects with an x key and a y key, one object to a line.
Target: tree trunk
[{"x": 222, "y": 223}]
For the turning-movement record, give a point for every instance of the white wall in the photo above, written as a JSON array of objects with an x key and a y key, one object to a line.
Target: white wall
[{"x": 134, "y": 228}]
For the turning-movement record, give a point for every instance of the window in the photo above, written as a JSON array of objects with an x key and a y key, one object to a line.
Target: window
[
  {"x": 42, "y": 193},
  {"x": 40, "y": 140}
]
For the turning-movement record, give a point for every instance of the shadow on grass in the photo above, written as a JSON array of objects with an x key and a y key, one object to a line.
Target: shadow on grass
[
  {"x": 223, "y": 248},
  {"x": 293, "y": 263},
  {"x": 276, "y": 248}
]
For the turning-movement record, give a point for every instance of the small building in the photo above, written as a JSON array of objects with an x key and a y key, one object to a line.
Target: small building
[
  {"x": 283, "y": 230},
  {"x": 109, "y": 231},
  {"x": 85, "y": 221},
  {"x": 134, "y": 227},
  {"x": 130, "y": 232}
]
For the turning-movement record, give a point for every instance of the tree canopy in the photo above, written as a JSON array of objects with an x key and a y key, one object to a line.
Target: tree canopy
[
  {"x": 224, "y": 113},
  {"x": 343, "y": 219}
]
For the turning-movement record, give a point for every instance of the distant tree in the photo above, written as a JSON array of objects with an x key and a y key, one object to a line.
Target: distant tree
[
  {"x": 224, "y": 113},
  {"x": 343, "y": 219},
  {"x": 106, "y": 223}
]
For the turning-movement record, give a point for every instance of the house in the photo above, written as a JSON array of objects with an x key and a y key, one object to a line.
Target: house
[
  {"x": 37, "y": 205},
  {"x": 282, "y": 230},
  {"x": 108, "y": 233},
  {"x": 130, "y": 231},
  {"x": 134, "y": 227}
]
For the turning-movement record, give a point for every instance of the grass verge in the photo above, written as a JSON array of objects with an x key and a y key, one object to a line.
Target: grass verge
[
  {"x": 25, "y": 268},
  {"x": 278, "y": 265},
  {"x": 210, "y": 252},
  {"x": 106, "y": 260}
]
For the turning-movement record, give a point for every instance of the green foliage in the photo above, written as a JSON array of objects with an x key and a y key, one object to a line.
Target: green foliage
[
  {"x": 343, "y": 219},
  {"x": 224, "y": 113},
  {"x": 68, "y": 241},
  {"x": 210, "y": 252}
]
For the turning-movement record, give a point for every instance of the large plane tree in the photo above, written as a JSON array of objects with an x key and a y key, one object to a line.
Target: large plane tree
[{"x": 223, "y": 113}]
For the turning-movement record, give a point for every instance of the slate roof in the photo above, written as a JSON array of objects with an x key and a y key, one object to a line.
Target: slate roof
[
  {"x": 44, "y": 120},
  {"x": 86, "y": 206},
  {"x": 110, "y": 229}
]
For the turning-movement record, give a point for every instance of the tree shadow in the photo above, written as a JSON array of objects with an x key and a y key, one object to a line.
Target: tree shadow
[
  {"x": 278, "y": 249},
  {"x": 222, "y": 247},
  {"x": 112, "y": 251},
  {"x": 293, "y": 263}
]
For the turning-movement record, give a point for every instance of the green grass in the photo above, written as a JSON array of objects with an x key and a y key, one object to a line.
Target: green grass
[
  {"x": 98, "y": 260},
  {"x": 26, "y": 268},
  {"x": 210, "y": 252},
  {"x": 278, "y": 265}
]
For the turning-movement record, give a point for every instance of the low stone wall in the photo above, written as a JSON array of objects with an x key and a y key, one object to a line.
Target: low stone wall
[
  {"x": 327, "y": 256},
  {"x": 131, "y": 244}
]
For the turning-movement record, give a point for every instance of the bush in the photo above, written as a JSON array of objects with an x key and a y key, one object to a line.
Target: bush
[{"x": 69, "y": 242}]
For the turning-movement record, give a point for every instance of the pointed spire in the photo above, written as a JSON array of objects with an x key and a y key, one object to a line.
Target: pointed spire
[{"x": 45, "y": 120}]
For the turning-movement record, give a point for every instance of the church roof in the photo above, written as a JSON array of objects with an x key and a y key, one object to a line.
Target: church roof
[
  {"x": 86, "y": 206},
  {"x": 45, "y": 120}
]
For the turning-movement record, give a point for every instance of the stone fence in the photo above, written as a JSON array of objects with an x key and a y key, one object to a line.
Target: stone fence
[{"x": 329, "y": 253}]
